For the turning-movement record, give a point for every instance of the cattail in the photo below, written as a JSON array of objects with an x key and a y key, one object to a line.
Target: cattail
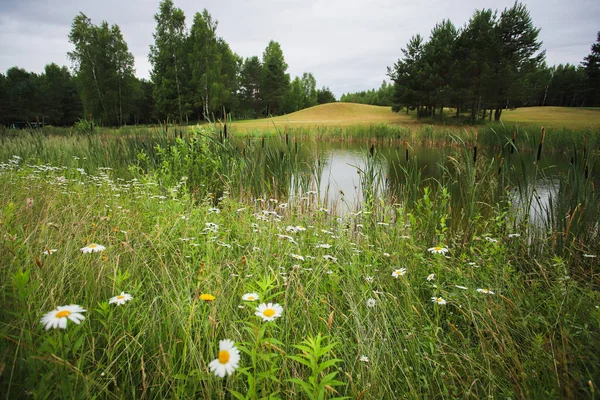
[
  {"x": 372, "y": 149},
  {"x": 514, "y": 140},
  {"x": 406, "y": 149},
  {"x": 539, "y": 153},
  {"x": 475, "y": 150},
  {"x": 500, "y": 167}
]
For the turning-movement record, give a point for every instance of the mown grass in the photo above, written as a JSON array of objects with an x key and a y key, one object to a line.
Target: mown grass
[{"x": 535, "y": 336}]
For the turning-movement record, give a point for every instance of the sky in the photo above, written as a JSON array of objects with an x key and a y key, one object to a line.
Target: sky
[{"x": 346, "y": 44}]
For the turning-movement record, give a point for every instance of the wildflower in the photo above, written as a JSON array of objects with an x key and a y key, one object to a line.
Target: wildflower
[
  {"x": 323, "y": 246},
  {"x": 438, "y": 300},
  {"x": 399, "y": 272},
  {"x": 58, "y": 318},
  {"x": 92, "y": 248},
  {"x": 49, "y": 251},
  {"x": 387, "y": 255},
  {"x": 461, "y": 287},
  {"x": 431, "y": 277},
  {"x": 120, "y": 299},
  {"x": 491, "y": 240},
  {"x": 283, "y": 206},
  {"x": 486, "y": 291},
  {"x": 228, "y": 359},
  {"x": 250, "y": 297},
  {"x": 214, "y": 210},
  {"x": 437, "y": 250},
  {"x": 364, "y": 359},
  {"x": 268, "y": 312},
  {"x": 207, "y": 297},
  {"x": 514, "y": 235},
  {"x": 371, "y": 302},
  {"x": 369, "y": 278},
  {"x": 327, "y": 257},
  {"x": 297, "y": 256}
]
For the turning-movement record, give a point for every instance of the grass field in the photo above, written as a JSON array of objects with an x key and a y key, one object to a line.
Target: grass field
[
  {"x": 351, "y": 114},
  {"x": 397, "y": 300}
]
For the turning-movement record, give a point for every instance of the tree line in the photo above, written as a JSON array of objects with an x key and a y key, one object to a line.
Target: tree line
[
  {"x": 195, "y": 76},
  {"x": 492, "y": 63}
]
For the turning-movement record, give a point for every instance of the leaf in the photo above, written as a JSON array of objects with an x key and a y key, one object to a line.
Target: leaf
[{"x": 301, "y": 361}]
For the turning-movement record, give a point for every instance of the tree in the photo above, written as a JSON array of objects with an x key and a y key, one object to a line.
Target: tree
[
  {"x": 591, "y": 66},
  {"x": 325, "y": 95},
  {"x": 407, "y": 75},
  {"x": 250, "y": 79},
  {"x": 62, "y": 104},
  {"x": 518, "y": 44},
  {"x": 167, "y": 56},
  {"x": 104, "y": 69},
  {"x": 309, "y": 90},
  {"x": 295, "y": 96},
  {"x": 275, "y": 81}
]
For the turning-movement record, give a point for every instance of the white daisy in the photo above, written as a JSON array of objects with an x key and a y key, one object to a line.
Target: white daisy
[
  {"x": 120, "y": 299},
  {"x": 486, "y": 291},
  {"x": 369, "y": 278},
  {"x": 297, "y": 256},
  {"x": 371, "y": 302},
  {"x": 58, "y": 318},
  {"x": 214, "y": 210},
  {"x": 461, "y": 287},
  {"x": 399, "y": 272},
  {"x": 92, "y": 248},
  {"x": 327, "y": 257},
  {"x": 49, "y": 251},
  {"x": 250, "y": 297},
  {"x": 228, "y": 360},
  {"x": 438, "y": 300},
  {"x": 268, "y": 312},
  {"x": 431, "y": 277},
  {"x": 437, "y": 250},
  {"x": 364, "y": 359},
  {"x": 514, "y": 235}
]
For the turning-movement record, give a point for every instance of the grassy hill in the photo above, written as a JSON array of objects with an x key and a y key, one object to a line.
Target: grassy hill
[{"x": 351, "y": 114}]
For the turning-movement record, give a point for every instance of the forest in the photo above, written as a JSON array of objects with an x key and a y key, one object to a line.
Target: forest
[{"x": 495, "y": 61}]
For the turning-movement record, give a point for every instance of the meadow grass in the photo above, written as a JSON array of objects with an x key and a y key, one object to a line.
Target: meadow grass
[{"x": 504, "y": 314}]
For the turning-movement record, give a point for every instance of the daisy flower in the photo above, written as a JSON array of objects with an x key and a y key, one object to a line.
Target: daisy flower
[
  {"x": 228, "y": 359},
  {"x": 461, "y": 287},
  {"x": 514, "y": 235},
  {"x": 92, "y": 248},
  {"x": 399, "y": 272},
  {"x": 437, "y": 250},
  {"x": 371, "y": 302},
  {"x": 369, "y": 278},
  {"x": 438, "y": 300},
  {"x": 120, "y": 299},
  {"x": 214, "y": 210},
  {"x": 49, "y": 251},
  {"x": 250, "y": 297},
  {"x": 58, "y": 318},
  {"x": 327, "y": 257},
  {"x": 268, "y": 312},
  {"x": 486, "y": 291},
  {"x": 430, "y": 277},
  {"x": 364, "y": 359},
  {"x": 297, "y": 256},
  {"x": 207, "y": 297}
]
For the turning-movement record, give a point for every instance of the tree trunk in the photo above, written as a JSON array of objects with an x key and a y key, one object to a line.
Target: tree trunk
[
  {"x": 490, "y": 117},
  {"x": 458, "y": 111},
  {"x": 498, "y": 114}
]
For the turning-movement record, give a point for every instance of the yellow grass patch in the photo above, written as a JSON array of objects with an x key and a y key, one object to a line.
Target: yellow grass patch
[{"x": 556, "y": 117}]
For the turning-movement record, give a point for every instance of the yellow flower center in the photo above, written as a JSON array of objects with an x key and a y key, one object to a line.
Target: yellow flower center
[
  {"x": 207, "y": 297},
  {"x": 63, "y": 313},
  {"x": 437, "y": 248},
  {"x": 223, "y": 356},
  {"x": 269, "y": 312},
  {"x": 120, "y": 297},
  {"x": 93, "y": 246},
  {"x": 251, "y": 298}
]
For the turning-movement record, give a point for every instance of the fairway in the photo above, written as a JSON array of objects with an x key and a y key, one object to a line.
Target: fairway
[
  {"x": 556, "y": 117},
  {"x": 331, "y": 114},
  {"x": 352, "y": 114}
]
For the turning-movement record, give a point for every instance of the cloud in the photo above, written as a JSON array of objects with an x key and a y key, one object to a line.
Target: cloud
[{"x": 346, "y": 44}]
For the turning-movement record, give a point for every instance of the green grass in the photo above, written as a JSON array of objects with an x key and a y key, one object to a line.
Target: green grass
[{"x": 536, "y": 336}]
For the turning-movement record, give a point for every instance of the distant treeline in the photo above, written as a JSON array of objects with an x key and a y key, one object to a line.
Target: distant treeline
[
  {"x": 195, "y": 76},
  {"x": 492, "y": 63}
]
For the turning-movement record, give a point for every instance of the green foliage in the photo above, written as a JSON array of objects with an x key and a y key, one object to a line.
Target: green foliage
[
  {"x": 275, "y": 82},
  {"x": 104, "y": 68},
  {"x": 317, "y": 386}
]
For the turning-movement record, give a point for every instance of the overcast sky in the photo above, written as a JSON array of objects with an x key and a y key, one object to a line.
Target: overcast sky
[{"x": 346, "y": 44}]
